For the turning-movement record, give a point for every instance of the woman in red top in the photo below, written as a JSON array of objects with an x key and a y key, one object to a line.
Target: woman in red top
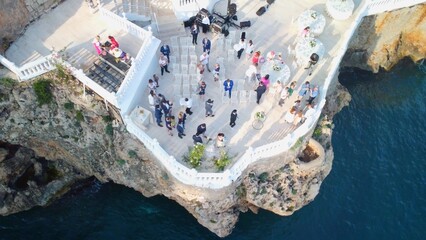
[
  {"x": 114, "y": 43},
  {"x": 255, "y": 58}
]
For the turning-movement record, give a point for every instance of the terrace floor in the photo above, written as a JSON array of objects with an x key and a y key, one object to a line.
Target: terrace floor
[
  {"x": 273, "y": 31},
  {"x": 73, "y": 26}
]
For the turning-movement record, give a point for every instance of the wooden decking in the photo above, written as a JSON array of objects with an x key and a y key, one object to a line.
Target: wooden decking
[{"x": 72, "y": 25}]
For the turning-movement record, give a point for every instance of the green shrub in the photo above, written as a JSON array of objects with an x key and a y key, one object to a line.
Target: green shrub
[
  {"x": 132, "y": 154},
  {"x": 121, "y": 162},
  {"x": 317, "y": 132},
  {"x": 43, "y": 91},
  {"x": 109, "y": 130},
  {"x": 7, "y": 82},
  {"x": 222, "y": 161},
  {"x": 195, "y": 155},
  {"x": 79, "y": 116},
  {"x": 69, "y": 106},
  {"x": 241, "y": 191},
  {"x": 61, "y": 72},
  {"x": 107, "y": 118},
  {"x": 263, "y": 177}
]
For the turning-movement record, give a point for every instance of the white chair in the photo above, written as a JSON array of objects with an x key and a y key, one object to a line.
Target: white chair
[
  {"x": 253, "y": 96},
  {"x": 186, "y": 91},
  {"x": 175, "y": 68},
  {"x": 183, "y": 41},
  {"x": 191, "y": 50},
  {"x": 185, "y": 79},
  {"x": 174, "y": 41},
  {"x": 231, "y": 55},
  {"x": 184, "y": 68},
  {"x": 175, "y": 50},
  {"x": 244, "y": 96},
  {"x": 240, "y": 84},
  {"x": 219, "y": 60},
  {"x": 192, "y": 68},
  {"x": 234, "y": 97},
  {"x": 193, "y": 59},
  {"x": 194, "y": 88},
  {"x": 194, "y": 78},
  {"x": 184, "y": 59},
  {"x": 178, "y": 78},
  {"x": 219, "y": 43},
  {"x": 188, "y": 41},
  {"x": 172, "y": 59},
  {"x": 229, "y": 43},
  {"x": 177, "y": 89},
  {"x": 184, "y": 50},
  {"x": 231, "y": 35}
]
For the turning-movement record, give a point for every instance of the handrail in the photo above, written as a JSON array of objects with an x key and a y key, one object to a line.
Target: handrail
[{"x": 380, "y": 6}]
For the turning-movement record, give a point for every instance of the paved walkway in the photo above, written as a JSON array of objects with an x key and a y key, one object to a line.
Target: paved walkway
[
  {"x": 69, "y": 25},
  {"x": 72, "y": 25}
]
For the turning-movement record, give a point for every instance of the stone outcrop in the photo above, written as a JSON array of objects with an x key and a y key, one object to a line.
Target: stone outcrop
[
  {"x": 381, "y": 41},
  {"x": 74, "y": 134},
  {"x": 15, "y": 15}
]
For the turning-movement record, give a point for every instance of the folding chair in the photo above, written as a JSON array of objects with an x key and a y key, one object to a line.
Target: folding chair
[
  {"x": 175, "y": 68},
  {"x": 184, "y": 67},
  {"x": 184, "y": 59}
]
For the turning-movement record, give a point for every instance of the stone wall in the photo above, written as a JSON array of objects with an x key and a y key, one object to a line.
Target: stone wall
[{"x": 15, "y": 15}]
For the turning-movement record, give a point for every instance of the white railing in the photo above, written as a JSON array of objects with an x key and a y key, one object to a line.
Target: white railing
[
  {"x": 131, "y": 78},
  {"x": 379, "y": 6},
  {"x": 83, "y": 78},
  {"x": 128, "y": 26},
  {"x": 10, "y": 65},
  {"x": 32, "y": 69}
]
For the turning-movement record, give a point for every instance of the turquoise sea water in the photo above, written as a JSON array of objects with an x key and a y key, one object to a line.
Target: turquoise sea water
[{"x": 376, "y": 189}]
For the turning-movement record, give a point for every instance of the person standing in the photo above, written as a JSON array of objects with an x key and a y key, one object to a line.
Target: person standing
[
  {"x": 209, "y": 108},
  {"x": 202, "y": 90},
  {"x": 260, "y": 90},
  {"x": 165, "y": 50},
  {"x": 289, "y": 116},
  {"x": 220, "y": 140},
  {"x": 201, "y": 129},
  {"x": 228, "y": 84},
  {"x": 158, "y": 114},
  {"x": 313, "y": 93},
  {"x": 206, "y": 45},
  {"x": 304, "y": 88},
  {"x": 151, "y": 99},
  {"x": 265, "y": 80},
  {"x": 242, "y": 46},
  {"x": 188, "y": 103},
  {"x": 163, "y": 63},
  {"x": 249, "y": 49},
  {"x": 180, "y": 129},
  {"x": 98, "y": 45},
  {"x": 182, "y": 118},
  {"x": 169, "y": 126},
  {"x": 216, "y": 71},
  {"x": 284, "y": 95},
  {"x": 194, "y": 32},
  {"x": 234, "y": 117},
  {"x": 310, "y": 112},
  {"x": 205, "y": 22},
  {"x": 204, "y": 59}
]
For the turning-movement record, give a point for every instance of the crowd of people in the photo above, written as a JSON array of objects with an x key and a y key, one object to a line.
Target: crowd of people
[
  {"x": 301, "y": 109},
  {"x": 111, "y": 46}
]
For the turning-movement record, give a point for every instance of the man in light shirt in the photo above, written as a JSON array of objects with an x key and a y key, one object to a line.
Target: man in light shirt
[{"x": 204, "y": 59}]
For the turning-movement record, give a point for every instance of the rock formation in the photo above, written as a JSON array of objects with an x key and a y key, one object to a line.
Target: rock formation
[
  {"x": 74, "y": 135},
  {"x": 381, "y": 41}
]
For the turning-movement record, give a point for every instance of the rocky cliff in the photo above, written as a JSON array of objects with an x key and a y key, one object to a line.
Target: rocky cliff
[
  {"x": 15, "y": 15},
  {"x": 381, "y": 41}
]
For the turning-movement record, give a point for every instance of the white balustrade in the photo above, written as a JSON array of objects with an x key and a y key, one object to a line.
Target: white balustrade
[{"x": 379, "y": 6}]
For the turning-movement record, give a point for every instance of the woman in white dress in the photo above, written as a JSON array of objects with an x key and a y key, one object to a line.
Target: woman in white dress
[
  {"x": 289, "y": 116},
  {"x": 249, "y": 49}
]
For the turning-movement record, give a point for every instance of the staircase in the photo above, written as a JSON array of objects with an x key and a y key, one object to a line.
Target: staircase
[{"x": 165, "y": 24}]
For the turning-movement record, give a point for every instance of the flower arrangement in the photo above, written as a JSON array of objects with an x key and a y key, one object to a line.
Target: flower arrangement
[
  {"x": 276, "y": 67},
  {"x": 314, "y": 15},
  {"x": 195, "y": 155},
  {"x": 312, "y": 43},
  {"x": 260, "y": 116},
  {"x": 222, "y": 161}
]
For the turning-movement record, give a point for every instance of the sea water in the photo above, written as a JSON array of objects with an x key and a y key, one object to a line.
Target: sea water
[{"x": 376, "y": 189}]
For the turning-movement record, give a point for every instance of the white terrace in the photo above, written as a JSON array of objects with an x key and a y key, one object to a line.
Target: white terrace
[{"x": 73, "y": 25}]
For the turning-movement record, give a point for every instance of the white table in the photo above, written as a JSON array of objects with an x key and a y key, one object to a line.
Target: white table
[
  {"x": 283, "y": 74},
  {"x": 141, "y": 117},
  {"x": 312, "y": 19},
  {"x": 304, "y": 49},
  {"x": 338, "y": 9}
]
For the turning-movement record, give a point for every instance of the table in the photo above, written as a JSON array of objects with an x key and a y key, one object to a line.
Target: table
[
  {"x": 283, "y": 74},
  {"x": 141, "y": 117},
  {"x": 313, "y": 19},
  {"x": 304, "y": 49},
  {"x": 338, "y": 9}
]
